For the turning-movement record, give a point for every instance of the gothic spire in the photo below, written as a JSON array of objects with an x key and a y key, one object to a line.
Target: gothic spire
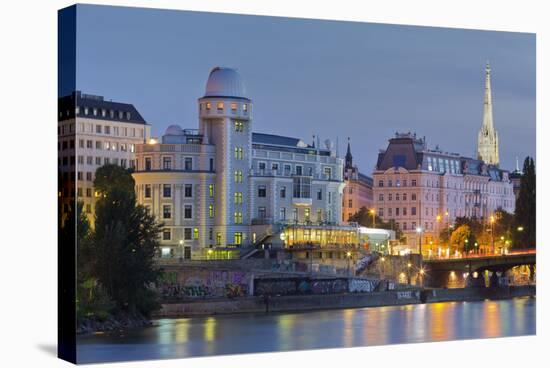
[
  {"x": 487, "y": 141},
  {"x": 349, "y": 157}
]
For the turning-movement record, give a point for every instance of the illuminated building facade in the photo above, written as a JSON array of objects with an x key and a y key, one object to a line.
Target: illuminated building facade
[
  {"x": 93, "y": 132},
  {"x": 222, "y": 187},
  {"x": 358, "y": 190}
]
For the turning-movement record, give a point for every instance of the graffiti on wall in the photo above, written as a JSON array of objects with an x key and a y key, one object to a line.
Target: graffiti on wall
[
  {"x": 362, "y": 285},
  {"x": 201, "y": 283}
]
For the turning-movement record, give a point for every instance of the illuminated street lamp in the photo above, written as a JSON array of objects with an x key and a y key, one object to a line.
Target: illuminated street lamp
[
  {"x": 493, "y": 233},
  {"x": 348, "y": 255},
  {"x": 520, "y": 228},
  {"x": 373, "y": 213},
  {"x": 181, "y": 248}
]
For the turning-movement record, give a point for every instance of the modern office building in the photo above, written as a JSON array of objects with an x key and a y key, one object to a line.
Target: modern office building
[
  {"x": 358, "y": 190},
  {"x": 222, "y": 187},
  {"x": 424, "y": 190},
  {"x": 92, "y": 132}
]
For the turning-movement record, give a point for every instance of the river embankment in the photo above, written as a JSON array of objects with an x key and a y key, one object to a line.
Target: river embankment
[{"x": 287, "y": 303}]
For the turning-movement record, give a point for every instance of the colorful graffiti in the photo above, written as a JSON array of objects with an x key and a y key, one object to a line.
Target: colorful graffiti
[{"x": 202, "y": 283}]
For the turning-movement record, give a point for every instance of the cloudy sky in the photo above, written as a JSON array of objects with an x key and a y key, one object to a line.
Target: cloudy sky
[{"x": 334, "y": 79}]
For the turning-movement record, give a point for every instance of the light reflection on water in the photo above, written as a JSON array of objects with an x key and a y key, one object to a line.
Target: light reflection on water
[{"x": 233, "y": 334}]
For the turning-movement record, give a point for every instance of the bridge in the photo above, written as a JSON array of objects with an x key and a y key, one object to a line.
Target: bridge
[{"x": 439, "y": 269}]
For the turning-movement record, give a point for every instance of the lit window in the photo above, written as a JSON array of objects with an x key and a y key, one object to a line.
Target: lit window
[
  {"x": 233, "y": 106},
  {"x": 238, "y": 217},
  {"x": 238, "y": 176},
  {"x": 208, "y": 106},
  {"x": 211, "y": 211},
  {"x": 166, "y": 211},
  {"x": 245, "y": 107},
  {"x": 238, "y": 238},
  {"x": 218, "y": 238},
  {"x": 238, "y": 197},
  {"x": 211, "y": 190},
  {"x": 239, "y": 126},
  {"x": 239, "y": 153},
  {"x": 195, "y": 233},
  {"x": 219, "y": 106}
]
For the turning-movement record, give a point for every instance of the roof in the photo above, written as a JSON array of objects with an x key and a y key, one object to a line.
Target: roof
[
  {"x": 282, "y": 143},
  {"x": 114, "y": 111},
  {"x": 225, "y": 82}
]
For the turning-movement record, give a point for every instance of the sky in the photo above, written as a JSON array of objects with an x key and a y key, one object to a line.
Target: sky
[{"x": 333, "y": 79}]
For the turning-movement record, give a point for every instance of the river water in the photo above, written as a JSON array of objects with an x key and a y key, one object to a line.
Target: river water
[{"x": 253, "y": 333}]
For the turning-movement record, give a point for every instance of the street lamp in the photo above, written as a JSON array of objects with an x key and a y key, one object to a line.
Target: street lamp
[
  {"x": 493, "y": 233},
  {"x": 348, "y": 255},
  {"x": 181, "y": 248},
  {"x": 373, "y": 213},
  {"x": 419, "y": 231}
]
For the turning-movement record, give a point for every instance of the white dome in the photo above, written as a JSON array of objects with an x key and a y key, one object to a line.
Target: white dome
[
  {"x": 174, "y": 130},
  {"x": 224, "y": 82}
]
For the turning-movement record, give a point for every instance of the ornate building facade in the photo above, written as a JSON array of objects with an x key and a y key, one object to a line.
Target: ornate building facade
[
  {"x": 424, "y": 190},
  {"x": 222, "y": 187}
]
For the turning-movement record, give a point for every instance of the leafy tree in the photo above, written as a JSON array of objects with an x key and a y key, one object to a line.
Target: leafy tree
[
  {"x": 464, "y": 238},
  {"x": 125, "y": 240},
  {"x": 525, "y": 215}
]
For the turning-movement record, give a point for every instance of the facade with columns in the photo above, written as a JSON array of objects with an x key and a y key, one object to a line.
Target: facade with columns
[
  {"x": 358, "y": 190},
  {"x": 222, "y": 187}
]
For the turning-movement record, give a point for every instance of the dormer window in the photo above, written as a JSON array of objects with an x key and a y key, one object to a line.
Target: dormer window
[
  {"x": 85, "y": 111},
  {"x": 103, "y": 112},
  {"x": 208, "y": 106},
  {"x": 245, "y": 107},
  {"x": 128, "y": 115},
  {"x": 95, "y": 112},
  {"x": 219, "y": 106},
  {"x": 233, "y": 107},
  {"x": 120, "y": 115},
  {"x": 111, "y": 113}
]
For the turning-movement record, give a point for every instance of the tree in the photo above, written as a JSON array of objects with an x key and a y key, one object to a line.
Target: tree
[
  {"x": 525, "y": 215},
  {"x": 124, "y": 243},
  {"x": 463, "y": 238}
]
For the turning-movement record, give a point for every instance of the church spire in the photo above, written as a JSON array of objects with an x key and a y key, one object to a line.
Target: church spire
[
  {"x": 487, "y": 141},
  {"x": 349, "y": 157}
]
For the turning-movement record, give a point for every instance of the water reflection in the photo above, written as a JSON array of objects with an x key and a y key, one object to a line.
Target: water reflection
[{"x": 232, "y": 334}]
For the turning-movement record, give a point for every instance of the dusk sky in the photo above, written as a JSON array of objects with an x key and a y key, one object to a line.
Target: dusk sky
[{"x": 305, "y": 77}]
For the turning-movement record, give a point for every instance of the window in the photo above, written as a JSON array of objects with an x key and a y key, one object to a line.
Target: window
[
  {"x": 239, "y": 126},
  {"x": 95, "y": 111},
  {"x": 196, "y": 233},
  {"x": 239, "y": 153},
  {"x": 261, "y": 212},
  {"x": 380, "y": 183},
  {"x": 187, "y": 233},
  {"x": 287, "y": 170},
  {"x": 211, "y": 211},
  {"x": 106, "y": 160},
  {"x": 166, "y": 163},
  {"x": 390, "y": 212},
  {"x": 210, "y": 234},
  {"x": 167, "y": 211},
  {"x": 238, "y": 176},
  {"x": 188, "y": 190},
  {"x": 302, "y": 187},
  {"x": 282, "y": 214},
  {"x": 262, "y": 191},
  {"x": 208, "y": 106},
  {"x": 218, "y": 238},
  {"x": 90, "y": 143},
  {"x": 404, "y": 196},
  {"x": 396, "y": 196},
  {"x": 88, "y": 192},
  {"x": 211, "y": 164},
  {"x": 79, "y": 192},
  {"x": 238, "y": 217},
  {"x": 307, "y": 214},
  {"x": 390, "y": 196},
  {"x": 219, "y": 106},
  {"x": 319, "y": 215},
  {"x": 80, "y": 160},
  {"x": 88, "y": 208},
  {"x": 298, "y": 170},
  {"x": 233, "y": 106},
  {"x": 413, "y": 183},
  {"x": 328, "y": 172},
  {"x": 147, "y": 190},
  {"x": 147, "y": 163},
  {"x": 166, "y": 190},
  {"x": 380, "y": 212},
  {"x": 380, "y": 197},
  {"x": 350, "y": 203},
  {"x": 238, "y": 197},
  {"x": 413, "y": 197},
  {"x": 166, "y": 234},
  {"x": 107, "y": 129},
  {"x": 188, "y": 164},
  {"x": 238, "y": 238},
  {"x": 261, "y": 167},
  {"x": 413, "y": 211},
  {"x": 398, "y": 183},
  {"x": 295, "y": 214},
  {"x": 81, "y": 143},
  {"x": 404, "y": 182},
  {"x": 404, "y": 226},
  {"x": 274, "y": 167},
  {"x": 404, "y": 211},
  {"x": 98, "y": 145},
  {"x": 98, "y": 128},
  {"x": 188, "y": 211},
  {"x": 282, "y": 192},
  {"x": 89, "y": 176},
  {"x": 89, "y": 160},
  {"x": 390, "y": 183},
  {"x": 211, "y": 190},
  {"x": 319, "y": 194},
  {"x": 397, "y": 211},
  {"x": 245, "y": 107}
]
